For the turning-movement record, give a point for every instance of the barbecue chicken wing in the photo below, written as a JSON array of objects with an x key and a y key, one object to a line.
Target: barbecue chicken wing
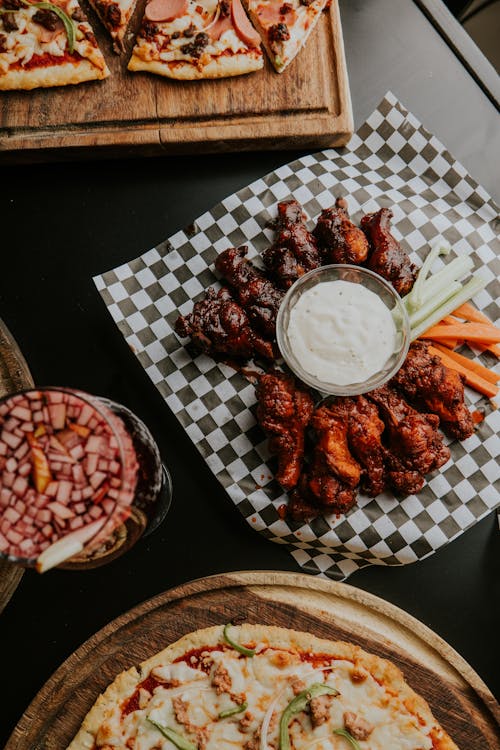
[
  {"x": 424, "y": 378},
  {"x": 255, "y": 293},
  {"x": 218, "y": 325},
  {"x": 294, "y": 251},
  {"x": 331, "y": 426},
  {"x": 387, "y": 257},
  {"x": 339, "y": 240},
  {"x": 284, "y": 410},
  {"x": 414, "y": 442},
  {"x": 364, "y": 437}
]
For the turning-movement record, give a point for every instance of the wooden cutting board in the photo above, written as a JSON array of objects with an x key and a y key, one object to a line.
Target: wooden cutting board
[
  {"x": 14, "y": 376},
  {"x": 308, "y": 105},
  {"x": 458, "y": 697}
]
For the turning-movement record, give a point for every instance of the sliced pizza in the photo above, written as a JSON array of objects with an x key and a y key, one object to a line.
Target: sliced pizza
[
  {"x": 115, "y": 15},
  {"x": 284, "y": 26},
  {"x": 192, "y": 39},
  {"x": 47, "y": 44},
  {"x": 255, "y": 687}
]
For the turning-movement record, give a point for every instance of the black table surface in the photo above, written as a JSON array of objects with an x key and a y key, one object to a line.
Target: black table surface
[{"x": 63, "y": 223}]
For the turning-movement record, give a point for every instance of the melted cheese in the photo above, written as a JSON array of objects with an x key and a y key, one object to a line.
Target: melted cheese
[{"x": 266, "y": 677}]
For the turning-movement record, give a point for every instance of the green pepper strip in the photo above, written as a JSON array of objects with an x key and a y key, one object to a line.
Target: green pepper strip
[
  {"x": 299, "y": 704},
  {"x": 241, "y": 649},
  {"x": 344, "y": 733},
  {"x": 233, "y": 711},
  {"x": 68, "y": 23},
  {"x": 177, "y": 739}
]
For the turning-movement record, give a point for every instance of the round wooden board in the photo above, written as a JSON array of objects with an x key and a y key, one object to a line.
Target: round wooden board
[
  {"x": 14, "y": 376},
  {"x": 457, "y": 696}
]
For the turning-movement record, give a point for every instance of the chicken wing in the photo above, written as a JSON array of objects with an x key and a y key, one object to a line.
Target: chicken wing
[
  {"x": 424, "y": 378},
  {"x": 331, "y": 426},
  {"x": 294, "y": 251},
  {"x": 284, "y": 410},
  {"x": 256, "y": 294},
  {"x": 339, "y": 240},
  {"x": 413, "y": 437},
  {"x": 364, "y": 437},
  {"x": 218, "y": 325},
  {"x": 387, "y": 257}
]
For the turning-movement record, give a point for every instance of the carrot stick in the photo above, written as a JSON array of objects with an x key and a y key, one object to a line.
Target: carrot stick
[
  {"x": 469, "y": 331},
  {"x": 469, "y": 312},
  {"x": 476, "y": 367},
  {"x": 476, "y": 382},
  {"x": 449, "y": 343},
  {"x": 450, "y": 320},
  {"x": 493, "y": 348}
]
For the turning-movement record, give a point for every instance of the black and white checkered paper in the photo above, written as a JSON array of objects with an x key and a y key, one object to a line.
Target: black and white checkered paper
[{"x": 391, "y": 161}]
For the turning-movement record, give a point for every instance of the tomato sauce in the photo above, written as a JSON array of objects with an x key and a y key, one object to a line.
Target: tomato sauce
[
  {"x": 197, "y": 657},
  {"x": 46, "y": 60},
  {"x": 132, "y": 703}
]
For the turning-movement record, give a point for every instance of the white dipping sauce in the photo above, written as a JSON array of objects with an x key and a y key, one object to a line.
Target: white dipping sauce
[{"x": 341, "y": 332}]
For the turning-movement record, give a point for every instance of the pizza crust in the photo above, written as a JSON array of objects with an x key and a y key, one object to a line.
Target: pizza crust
[
  {"x": 219, "y": 67},
  {"x": 252, "y": 635},
  {"x": 52, "y": 75}
]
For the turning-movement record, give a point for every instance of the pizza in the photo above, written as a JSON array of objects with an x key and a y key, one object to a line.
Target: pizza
[
  {"x": 256, "y": 687},
  {"x": 193, "y": 39},
  {"x": 284, "y": 26},
  {"x": 115, "y": 15},
  {"x": 46, "y": 44}
]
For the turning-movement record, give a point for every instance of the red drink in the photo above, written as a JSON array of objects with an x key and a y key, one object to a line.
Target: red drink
[{"x": 74, "y": 470}]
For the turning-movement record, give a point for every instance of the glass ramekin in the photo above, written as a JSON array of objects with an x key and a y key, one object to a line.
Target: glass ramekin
[{"x": 374, "y": 283}]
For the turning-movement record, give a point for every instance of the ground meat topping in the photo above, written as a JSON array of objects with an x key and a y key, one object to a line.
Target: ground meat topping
[
  {"x": 88, "y": 34},
  {"x": 320, "y": 709},
  {"x": 149, "y": 30},
  {"x": 176, "y": 35},
  {"x": 286, "y": 8},
  {"x": 246, "y": 721},
  {"x": 12, "y": 4},
  {"x": 297, "y": 685},
  {"x": 113, "y": 15},
  {"x": 278, "y": 32},
  {"x": 254, "y": 743},
  {"x": 357, "y": 726},
  {"x": 181, "y": 711},
  {"x": 196, "y": 47},
  {"x": 78, "y": 14},
  {"x": 3, "y": 43},
  {"x": 307, "y": 3},
  {"x": 202, "y": 738},
  {"x": 221, "y": 680},
  {"x": 190, "y": 31},
  {"x": 46, "y": 18},
  {"x": 9, "y": 22},
  {"x": 359, "y": 674},
  {"x": 225, "y": 8}
]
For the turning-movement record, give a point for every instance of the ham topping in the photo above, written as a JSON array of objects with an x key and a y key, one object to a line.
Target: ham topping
[
  {"x": 165, "y": 10},
  {"x": 244, "y": 28}
]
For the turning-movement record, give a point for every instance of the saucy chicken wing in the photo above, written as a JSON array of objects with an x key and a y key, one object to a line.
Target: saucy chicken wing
[
  {"x": 284, "y": 410},
  {"x": 413, "y": 438},
  {"x": 256, "y": 294},
  {"x": 294, "y": 251},
  {"x": 424, "y": 378},
  {"x": 218, "y": 325},
  {"x": 331, "y": 427},
  {"x": 339, "y": 240},
  {"x": 364, "y": 437},
  {"x": 387, "y": 257}
]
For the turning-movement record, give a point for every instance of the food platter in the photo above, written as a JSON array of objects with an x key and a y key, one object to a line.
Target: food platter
[
  {"x": 216, "y": 405},
  {"x": 14, "y": 375},
  {"x": 458, "y": 697}
]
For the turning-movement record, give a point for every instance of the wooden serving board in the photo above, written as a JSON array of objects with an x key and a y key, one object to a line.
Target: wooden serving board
[
  {"x": 457, "y": 696},
  {"x": 308, "y": 105},
  {"x": 14, "y": 376}
]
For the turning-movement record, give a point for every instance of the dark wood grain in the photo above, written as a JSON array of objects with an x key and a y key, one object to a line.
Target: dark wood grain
[
  {"x": 137, "y": 113},
  {"x": 14, "y": 376},
  {"x": 458, "y": 698}
]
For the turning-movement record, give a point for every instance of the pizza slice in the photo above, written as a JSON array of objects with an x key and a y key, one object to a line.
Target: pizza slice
[
  {"x": 115, "y": 15},
  {"x": 47, "y": 44},
  {"x": 192, "y": 39},
  {"x": 284, "y": 26}
]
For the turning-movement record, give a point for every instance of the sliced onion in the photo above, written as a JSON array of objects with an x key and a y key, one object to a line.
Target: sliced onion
[{"x": 214, "y": 19}]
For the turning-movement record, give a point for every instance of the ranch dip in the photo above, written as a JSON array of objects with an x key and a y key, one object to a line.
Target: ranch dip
[{"x": 341, "y": 332}]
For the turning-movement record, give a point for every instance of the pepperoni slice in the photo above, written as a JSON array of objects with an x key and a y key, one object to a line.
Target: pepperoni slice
[
  {"x": 219, "y": 27},
  {"x": 165, "y": 10},
  {"x": 244, "y": 28}
]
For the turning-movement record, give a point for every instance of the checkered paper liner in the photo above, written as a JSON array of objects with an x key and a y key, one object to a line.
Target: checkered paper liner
[{"x": 391, "y": 161}]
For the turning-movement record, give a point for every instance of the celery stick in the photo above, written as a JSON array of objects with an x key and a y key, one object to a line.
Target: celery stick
[
  {"x": 438, "y": 247},
  {"x": 434, "y": 302},
  {"x": 464, "y": 295},
  {"x": 453, "y": 271}
]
